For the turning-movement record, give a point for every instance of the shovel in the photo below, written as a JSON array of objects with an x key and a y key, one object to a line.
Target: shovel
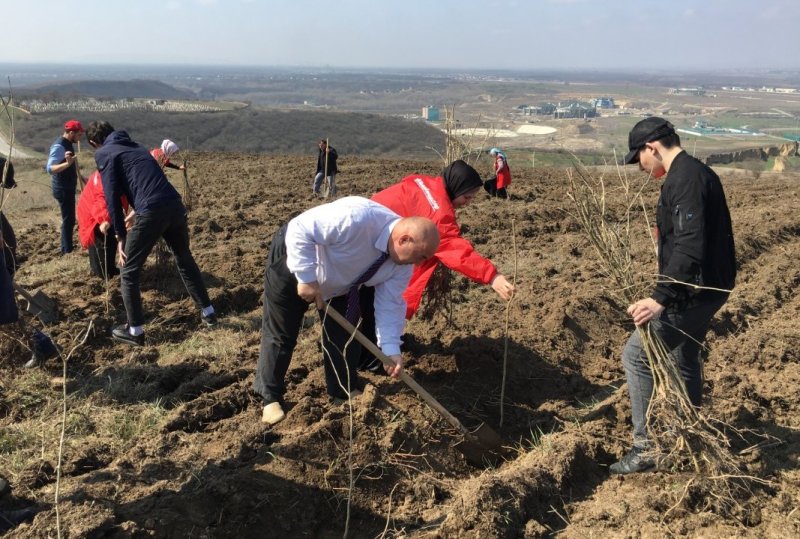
[
  {"x": 480, "y": 446},
  {"x": 39, "y": 305}
]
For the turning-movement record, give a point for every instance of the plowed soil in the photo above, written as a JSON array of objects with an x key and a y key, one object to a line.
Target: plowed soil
[{"x": 166, "y": 440}]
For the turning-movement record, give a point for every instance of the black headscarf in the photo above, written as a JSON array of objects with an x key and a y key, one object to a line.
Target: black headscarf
[{"x": 460, "y": 179}]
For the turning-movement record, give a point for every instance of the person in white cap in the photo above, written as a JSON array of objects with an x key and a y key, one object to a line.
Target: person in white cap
[{"x": 164, "y": 153}]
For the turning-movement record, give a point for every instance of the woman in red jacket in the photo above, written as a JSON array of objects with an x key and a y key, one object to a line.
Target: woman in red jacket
[
  {"x": 502, "y": 175},
  {"x": 93, "y": 226},
  {"x": 437, "y": 198},
  {"x": 165, "y": 153}
]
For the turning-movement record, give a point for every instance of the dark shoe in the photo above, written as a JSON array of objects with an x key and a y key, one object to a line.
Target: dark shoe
[
  {"x": 373, "y": 365},
  {"x": 210, "y": 320},
  {"x": 338, "y": 401},
  {"x": 633, "y": 462},
  {"x": 10, "y": 519},
  {"x": 43, "y": 349},
  {"x": 120, "y": 333}
]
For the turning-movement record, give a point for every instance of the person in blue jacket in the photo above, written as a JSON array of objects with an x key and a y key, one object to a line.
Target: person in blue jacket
[
  {"x": 63, "y": 169},
  {"x": 127, "y": 169}
]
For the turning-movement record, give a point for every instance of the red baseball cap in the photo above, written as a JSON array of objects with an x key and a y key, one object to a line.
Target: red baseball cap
[{"x": 73, "y": 125}]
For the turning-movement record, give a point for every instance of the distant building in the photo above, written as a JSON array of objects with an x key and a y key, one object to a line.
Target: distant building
[
  {"x": 532, "y": 110},
  {"x": 575, "y": 109},
  {"x": 604, "y": 103},
  {"x": 430, "y": 113},
  {"x": 694, "y": 90}
]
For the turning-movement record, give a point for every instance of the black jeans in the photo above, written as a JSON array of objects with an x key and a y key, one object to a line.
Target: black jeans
[
  {"x": 66, "y": 203},
  {"x": 103, "y": 254},
  {"x": 10, "y": 241},
  {"x": 168, "y": 222},
  {"x": 281, "y": 323}
]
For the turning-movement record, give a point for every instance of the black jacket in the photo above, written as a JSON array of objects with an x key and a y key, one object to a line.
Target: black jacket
[
  {"x": 332, "y": 157},
  {"x": 695, "y": 242}
]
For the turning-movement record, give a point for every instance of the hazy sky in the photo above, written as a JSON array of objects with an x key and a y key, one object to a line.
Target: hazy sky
[{"x": 506, "y": 34}]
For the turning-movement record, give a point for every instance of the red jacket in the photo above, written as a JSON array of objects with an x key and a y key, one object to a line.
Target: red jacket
[
  {"x": 158, "y": 155},
  {"x": 502, "y": 171},
  {"x": 426, "y": 196},
  {"x": 92, "y": 210}
]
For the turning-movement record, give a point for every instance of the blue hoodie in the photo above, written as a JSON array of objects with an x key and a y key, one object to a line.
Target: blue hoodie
[{"x": 127, "y": 169}]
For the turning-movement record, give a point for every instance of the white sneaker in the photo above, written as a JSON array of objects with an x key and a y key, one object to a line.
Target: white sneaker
[{"x": 273, "y": 413}]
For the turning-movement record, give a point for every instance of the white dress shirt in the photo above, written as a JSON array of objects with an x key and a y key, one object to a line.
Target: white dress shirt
[{"x": 333, "y": 244}]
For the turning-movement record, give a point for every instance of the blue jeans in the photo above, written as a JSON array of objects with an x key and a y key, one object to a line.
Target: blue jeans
[
  {"x": 318, "y": 183},
  {"x": 66, "y": 203},
  {"x": 683, "y": 330}
]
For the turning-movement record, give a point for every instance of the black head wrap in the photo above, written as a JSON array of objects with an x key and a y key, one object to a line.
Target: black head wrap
[{"x": 460, "y": 179}]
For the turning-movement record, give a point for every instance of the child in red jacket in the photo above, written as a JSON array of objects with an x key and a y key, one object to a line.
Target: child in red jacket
[{"x": 94, "y": 225}]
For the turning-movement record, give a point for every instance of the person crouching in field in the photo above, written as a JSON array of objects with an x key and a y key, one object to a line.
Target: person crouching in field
[
  {"x": 323, "y": 256},
  {"x": 127, "y": 169},
  {"x": 94, "y": 227},
  {"x": 438, "y": 198},
  {"x": 502, "y": 175},
  {"x": 164, "y": 153}
]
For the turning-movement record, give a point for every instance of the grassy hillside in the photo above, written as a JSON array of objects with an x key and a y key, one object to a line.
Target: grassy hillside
[
  {"x": 109, "y": 88},
  {"x": 254, "y": 131}
]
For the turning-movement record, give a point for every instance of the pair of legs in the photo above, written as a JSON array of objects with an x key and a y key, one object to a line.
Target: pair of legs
[
  {"x": 12, "y": 326},
  {"x": 282, "y": 321},
  {"x": 318, "y": 183},
  {"x": 102, "y": 255},
  {"x": 66, "y": 203},
  {"x": 683, "y": 331},
  {"x": 168, "y": 222}
]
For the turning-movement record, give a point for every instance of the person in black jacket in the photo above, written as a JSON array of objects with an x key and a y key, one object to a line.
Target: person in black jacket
[
  {"x": 696, "y": 266},
  {"x": 127, "y": 169},
  {"x": 11, "y": 323},
  {"x": 326, "y": 162}
]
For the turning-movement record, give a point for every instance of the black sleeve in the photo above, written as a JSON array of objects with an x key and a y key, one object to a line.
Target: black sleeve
[
  {"x": 9, "y": 181},
  {"x": 688, "y": 223}
]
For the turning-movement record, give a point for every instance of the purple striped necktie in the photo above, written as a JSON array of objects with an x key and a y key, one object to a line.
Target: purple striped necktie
[{"x": 353, "y": 306}]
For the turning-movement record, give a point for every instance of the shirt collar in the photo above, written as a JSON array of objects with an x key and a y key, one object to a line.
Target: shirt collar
[{"x": 383, "y": 240}]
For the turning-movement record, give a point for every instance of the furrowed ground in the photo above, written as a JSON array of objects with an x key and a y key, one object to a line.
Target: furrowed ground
[{"x": 166, "y": 441}]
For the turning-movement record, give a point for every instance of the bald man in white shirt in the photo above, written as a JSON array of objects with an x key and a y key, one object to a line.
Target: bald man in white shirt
[{"x": 319, "y": 257}]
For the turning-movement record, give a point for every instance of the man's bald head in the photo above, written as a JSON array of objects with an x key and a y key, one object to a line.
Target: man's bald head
[{"x": 413, "y": 240}]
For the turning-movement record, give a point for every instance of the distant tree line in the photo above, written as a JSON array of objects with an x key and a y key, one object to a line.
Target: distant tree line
[{"x": 252, "y": 131}]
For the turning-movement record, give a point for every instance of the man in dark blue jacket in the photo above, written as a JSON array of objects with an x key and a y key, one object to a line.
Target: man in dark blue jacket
[{"x": 127, "y": 169}]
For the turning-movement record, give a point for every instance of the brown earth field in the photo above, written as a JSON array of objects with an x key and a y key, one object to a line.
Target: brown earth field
[{"x": 166, "y": 440}]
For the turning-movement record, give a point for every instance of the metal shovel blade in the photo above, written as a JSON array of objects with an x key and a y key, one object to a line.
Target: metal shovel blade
[
  {"x": 480, "y": 446},
  {"x": 39, "y": 305}
]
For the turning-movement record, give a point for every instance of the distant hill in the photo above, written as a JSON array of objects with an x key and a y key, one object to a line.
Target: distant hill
[
  {"x": 108, "y": 88},
  {"x": 253, "y": 130}
]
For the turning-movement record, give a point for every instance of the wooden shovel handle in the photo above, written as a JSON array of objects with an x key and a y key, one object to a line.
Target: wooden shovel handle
[{"x": 410, "y": 382}]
